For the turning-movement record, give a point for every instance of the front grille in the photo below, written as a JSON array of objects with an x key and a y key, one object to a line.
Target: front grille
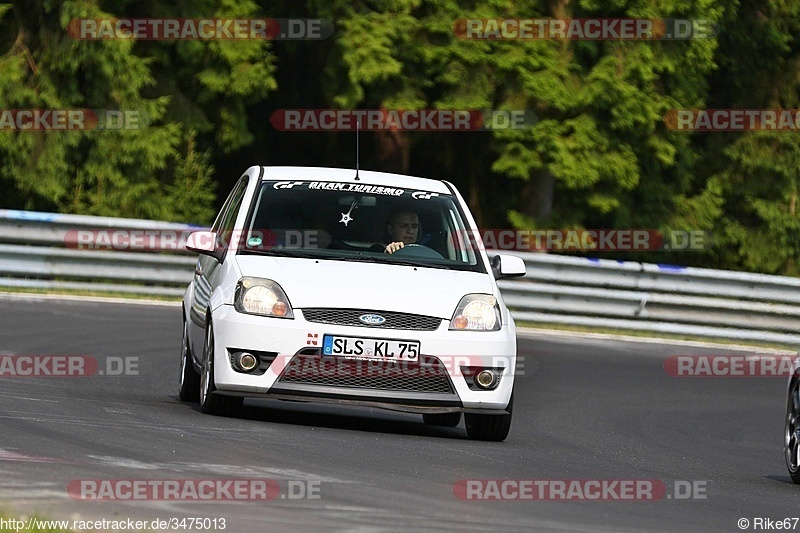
[
  {"x": 349, "y": 317},
  {"x": 427, "y": 375}
]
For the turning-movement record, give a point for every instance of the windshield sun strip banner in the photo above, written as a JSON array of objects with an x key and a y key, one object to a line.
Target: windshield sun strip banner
[{"x": 383, "y": 190}]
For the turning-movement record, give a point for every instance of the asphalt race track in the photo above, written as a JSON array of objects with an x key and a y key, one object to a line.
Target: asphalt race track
[{"x": 586, "y": 409}]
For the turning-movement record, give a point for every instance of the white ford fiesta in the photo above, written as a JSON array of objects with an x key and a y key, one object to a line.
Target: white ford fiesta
[{"x": 366, "y": 288}]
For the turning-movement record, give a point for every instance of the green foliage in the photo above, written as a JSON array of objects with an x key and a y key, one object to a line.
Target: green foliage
[
  {"x": 192, "y": 192},
  {"x": 154, "y": 171},
  {"x": 598, "y": 155}
]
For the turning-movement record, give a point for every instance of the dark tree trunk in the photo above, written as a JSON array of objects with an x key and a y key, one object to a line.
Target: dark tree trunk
[
  {"x": 537, "y": 196},
  {"x": 393, "y": 151},
  {"x": 474, "y": 200}
]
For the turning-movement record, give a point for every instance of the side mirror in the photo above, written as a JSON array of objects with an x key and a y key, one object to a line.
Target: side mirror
[
  {"x": 508, "y": 266},
  {"x": 204, "y": 242}
]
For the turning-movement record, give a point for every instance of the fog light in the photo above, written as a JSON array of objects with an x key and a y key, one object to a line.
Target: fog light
[
  {"x": 485, "y": 379},
  {"x": 247, "y": 361}
]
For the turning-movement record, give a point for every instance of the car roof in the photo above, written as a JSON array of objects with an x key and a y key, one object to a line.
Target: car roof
[{"x": 346, "y": 175}]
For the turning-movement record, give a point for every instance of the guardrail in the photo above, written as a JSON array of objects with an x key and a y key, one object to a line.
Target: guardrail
[
  {"x": 42, "y": 250},
  {"x": 38, "y": 250},
  {"x": 658, "y": 298}
]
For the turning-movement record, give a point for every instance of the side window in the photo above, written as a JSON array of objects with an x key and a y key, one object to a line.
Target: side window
[
  {"x": 225, "y": 222},
  {"x": 222, "y": 212}
]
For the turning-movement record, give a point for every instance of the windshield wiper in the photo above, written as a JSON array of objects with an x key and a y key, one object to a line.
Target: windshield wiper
[
  {"x": 409, "y": 262},
  {"x": 284, "y": 252},
  {"x": 361, "y": 257},
  {"x": 306, "y": 254},
  {"x": 389, "y": 260}
]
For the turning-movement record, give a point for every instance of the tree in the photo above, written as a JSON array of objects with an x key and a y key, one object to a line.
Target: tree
[
  {"x": 153, "y": 171},
  {"x": 755, "y": 174}
]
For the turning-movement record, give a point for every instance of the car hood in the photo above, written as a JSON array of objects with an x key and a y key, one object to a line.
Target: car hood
[{"x": 369, "y": 286}]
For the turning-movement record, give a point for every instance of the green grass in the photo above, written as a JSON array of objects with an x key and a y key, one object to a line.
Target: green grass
[
  {"x": 78, "y": 292},
  {"x": 655, "y": 334}
]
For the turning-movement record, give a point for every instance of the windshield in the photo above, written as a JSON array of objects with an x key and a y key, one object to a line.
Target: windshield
[{"x": 359, "y": 222}]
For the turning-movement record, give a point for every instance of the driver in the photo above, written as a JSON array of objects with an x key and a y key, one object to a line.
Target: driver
[{"x": 403, "y": 228}]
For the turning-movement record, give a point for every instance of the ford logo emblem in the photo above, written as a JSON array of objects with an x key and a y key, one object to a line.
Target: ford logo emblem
[{"x": 372, "y": 320}]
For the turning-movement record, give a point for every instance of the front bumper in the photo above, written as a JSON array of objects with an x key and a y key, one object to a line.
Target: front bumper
[{"x": 436, "y": 384}]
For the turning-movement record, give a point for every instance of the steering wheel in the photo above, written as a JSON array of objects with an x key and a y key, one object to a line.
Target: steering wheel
[{"x": 418, "y": 250}]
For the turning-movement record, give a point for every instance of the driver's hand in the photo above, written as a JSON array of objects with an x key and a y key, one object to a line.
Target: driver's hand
[{"x": 392, "y": 247}]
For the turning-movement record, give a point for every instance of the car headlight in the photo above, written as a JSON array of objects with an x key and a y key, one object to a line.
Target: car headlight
[
  {"x": 476, "y": 312},
  {"x": 257, "y": 296}
]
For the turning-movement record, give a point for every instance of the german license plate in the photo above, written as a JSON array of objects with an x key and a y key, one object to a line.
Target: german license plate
[{"x": 367, "y": 348}]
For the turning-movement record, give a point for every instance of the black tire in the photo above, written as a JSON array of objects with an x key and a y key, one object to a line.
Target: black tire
[
  {"x": 791, "y": 441},
  {"x": 210, "y": 403},
  {"x": 189, "y": 389},
  {"x": 489, "y": 427},
  {"x": 449, "y": 420}
]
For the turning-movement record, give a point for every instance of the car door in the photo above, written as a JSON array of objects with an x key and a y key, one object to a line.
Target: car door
[{"x": 205, "y": 273}]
